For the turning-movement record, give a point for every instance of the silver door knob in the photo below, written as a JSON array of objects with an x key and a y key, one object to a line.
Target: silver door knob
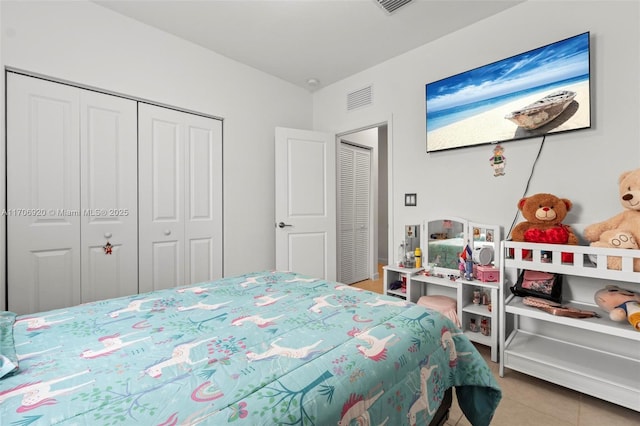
[
  {"x": 108, "y": 235},
  {"x": 167, "y": 232},
  {"x": 282, "y": 225}
]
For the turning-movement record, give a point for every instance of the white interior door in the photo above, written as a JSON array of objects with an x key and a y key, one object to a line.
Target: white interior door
[
  {"x": 354, "y": 189},
  {"x": 43, "y": 195},
  {"x": 305, "y": 168},
  {"x": 109, "y": 196},
  {"x": 180, "y": 178}
]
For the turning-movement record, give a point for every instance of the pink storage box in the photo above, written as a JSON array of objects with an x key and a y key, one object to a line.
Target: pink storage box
[{"x": 487, "y": 274}]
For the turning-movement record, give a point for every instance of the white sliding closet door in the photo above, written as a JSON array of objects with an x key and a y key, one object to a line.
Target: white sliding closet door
[
  {"x": 43, "y": 178},
  {"x": 109, "y": 196},
  {"x": 180, "y": 177},
  {"x": 354, "y": 222},
  {"x": 70, "y": 153}
]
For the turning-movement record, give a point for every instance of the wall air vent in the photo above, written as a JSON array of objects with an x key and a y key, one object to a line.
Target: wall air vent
[
  {"x": 359, "y": 98},
  {"x": 392, "y": 5}
]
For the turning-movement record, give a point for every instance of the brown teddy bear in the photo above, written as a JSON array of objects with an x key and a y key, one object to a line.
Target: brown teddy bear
[
  {"x": 614, "y": 238},
  {"x": 544, "y": 214},
  {"x": 629, "y": 219},
  {"x": 620, "y": 303}
]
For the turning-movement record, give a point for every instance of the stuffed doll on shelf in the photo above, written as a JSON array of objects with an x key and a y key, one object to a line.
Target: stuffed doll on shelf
[
  {"x": 544, "y": 214},
  {"x": 465, "y": 263},
  {"x": 620, "y": 303}
]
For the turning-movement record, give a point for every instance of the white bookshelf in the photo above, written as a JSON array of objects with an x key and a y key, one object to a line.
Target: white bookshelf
[{"x": 595, "y": 356}]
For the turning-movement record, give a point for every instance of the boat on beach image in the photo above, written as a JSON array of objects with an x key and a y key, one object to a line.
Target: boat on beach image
[{"x": 543, "y": 110}]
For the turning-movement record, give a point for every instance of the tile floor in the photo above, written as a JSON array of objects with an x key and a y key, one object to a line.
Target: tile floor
[{"x": 530, "y": 401}]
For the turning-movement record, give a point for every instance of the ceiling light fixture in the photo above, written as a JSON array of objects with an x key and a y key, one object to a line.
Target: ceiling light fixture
[{"x": 313, "y": 83}]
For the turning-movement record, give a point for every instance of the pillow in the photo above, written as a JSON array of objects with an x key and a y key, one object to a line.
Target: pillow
[{"x": 8, "y": 357}]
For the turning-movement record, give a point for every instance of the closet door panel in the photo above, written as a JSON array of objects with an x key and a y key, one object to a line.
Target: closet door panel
[
  {"x": 203, "y": 217},
  {"x": 167, "y": 263},
  {"x": 43, "y": 200},
  {"x": 354, "y": 197},
  {"x": 109, "y": 196},
  {"x": 161, "y": 198},
  {"x": 180, "y": 177},
  {"x": 362, "y": 216},
  {"x": 346, "y": 225}
]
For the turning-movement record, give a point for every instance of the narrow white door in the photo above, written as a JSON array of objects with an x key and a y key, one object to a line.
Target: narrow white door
[
  {"x": 161, "y": 198},
  {"x": 109, "y": 196},
  {"x": 180, "y": 198},
  {"x": 354, "y": 195},
  {"x": 203, "y": 199},
  {"x": 43, "y": 195},
  {"x": 305, "y": 204}
]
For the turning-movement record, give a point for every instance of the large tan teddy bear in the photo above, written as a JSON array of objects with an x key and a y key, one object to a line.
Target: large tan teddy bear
[
  {"x": 614, "y": 238},
  {"x": 618, "y": 228},
  {"x": 544, "y": 214}
]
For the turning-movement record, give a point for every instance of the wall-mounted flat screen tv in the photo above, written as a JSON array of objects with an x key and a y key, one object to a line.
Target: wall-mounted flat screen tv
[{"x": 542, "y": 91}]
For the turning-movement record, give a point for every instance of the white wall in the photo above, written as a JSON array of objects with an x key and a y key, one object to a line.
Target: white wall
[
  {"x": 82, "y": 42},
  {"x": 583, "y": 166}
]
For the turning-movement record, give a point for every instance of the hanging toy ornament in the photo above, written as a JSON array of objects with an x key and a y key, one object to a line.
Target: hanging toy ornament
[
  {"x": 108, "y": 248},
  {"x": 498, "y": 161}
]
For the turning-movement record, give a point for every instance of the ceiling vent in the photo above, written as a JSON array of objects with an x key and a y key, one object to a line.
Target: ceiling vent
[
  {"x": 360, "y": 98},
  {"x": 392, "y": 5}
]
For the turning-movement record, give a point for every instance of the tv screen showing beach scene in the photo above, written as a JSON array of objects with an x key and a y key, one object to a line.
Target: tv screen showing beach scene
[{"x": 542, "y": 91}]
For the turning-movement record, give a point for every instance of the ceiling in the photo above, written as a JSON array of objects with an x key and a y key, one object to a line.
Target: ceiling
[{"x": 298, "y": 40}]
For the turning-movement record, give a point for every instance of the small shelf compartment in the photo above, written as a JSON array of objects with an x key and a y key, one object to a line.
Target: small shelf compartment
[
  {"x": 392, "y": 274},
  {"x": 597, "y": 373},
  {"x": 480, "y": 310}
]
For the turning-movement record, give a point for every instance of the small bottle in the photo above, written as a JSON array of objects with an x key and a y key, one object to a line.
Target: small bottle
[
  {"x": 418, "y": 257},
  {"x": 484, "y": 327},
  {"x": 473, "y": 325},
  {"x": 476, "y": 297},
  {"x": 401, "y": 254}
]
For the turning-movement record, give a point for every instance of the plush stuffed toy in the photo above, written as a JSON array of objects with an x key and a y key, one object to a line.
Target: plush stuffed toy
[
  {"x": 613, "y": 238},
  {"x": 620, "y": 303},
  {"x": 544, "y": 214},
  {"x": 629, "y": 219}
]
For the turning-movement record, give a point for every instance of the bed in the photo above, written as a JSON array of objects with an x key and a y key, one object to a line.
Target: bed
[{"x": 264, "y": 348}]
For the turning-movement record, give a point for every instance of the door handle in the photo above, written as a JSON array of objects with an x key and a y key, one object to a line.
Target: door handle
[{"x": 282, "y": 225}]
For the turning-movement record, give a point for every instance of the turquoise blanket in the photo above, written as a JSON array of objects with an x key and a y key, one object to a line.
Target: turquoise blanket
[{"x": 267, "y": 348}]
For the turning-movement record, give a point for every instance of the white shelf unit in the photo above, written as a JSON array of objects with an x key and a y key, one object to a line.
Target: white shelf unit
[
  {"x": 468, "y": 310},
  {"x": 595, "y": 356}
]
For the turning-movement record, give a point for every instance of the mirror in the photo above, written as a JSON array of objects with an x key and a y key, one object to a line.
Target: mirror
[{"x": 445, "y": 240}]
